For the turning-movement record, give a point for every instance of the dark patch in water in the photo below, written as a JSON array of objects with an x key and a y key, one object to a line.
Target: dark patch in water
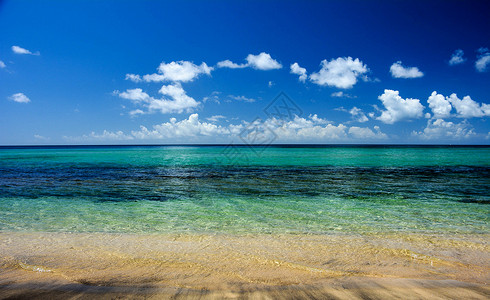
[{"x": 464, "y": 184}]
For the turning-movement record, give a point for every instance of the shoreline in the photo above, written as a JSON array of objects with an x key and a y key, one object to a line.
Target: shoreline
[
  {"x": 350, "y": 288},
  {"x": 217, "y": 265}
]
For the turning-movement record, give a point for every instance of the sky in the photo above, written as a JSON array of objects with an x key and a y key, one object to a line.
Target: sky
[{"x": 244, "y": 72}]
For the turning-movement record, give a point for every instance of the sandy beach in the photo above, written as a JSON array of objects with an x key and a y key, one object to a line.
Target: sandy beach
[{"x": 86, "y": 265}]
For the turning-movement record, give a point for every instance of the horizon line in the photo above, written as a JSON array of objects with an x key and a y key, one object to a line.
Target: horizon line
[{"x": 292, "y": 145}]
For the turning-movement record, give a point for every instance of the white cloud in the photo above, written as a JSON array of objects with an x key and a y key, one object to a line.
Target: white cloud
[
  {"x": 366, "y": 133},
  {"x": 154, "y": 77},
  {"x": 19, "y": 98},
  {"x": 440, "y": 106},
  {"x": 296, "y": 69},
  {"x": 19, "y": 50},
  {"x": 214, "y": 97},
  {"x": 341, "y": 94},
  {"x": 358, "y": 115},
  {"x": 341, "y": 72},
  {"x": 175, "y": 71},
  {"x": 465, "y": 108},
  {"x": 486, "y": 109},
  {"x": 241, "y": 98},
  {"x": 107, "y": 135},
  {"x": 190, "y": 127},
  {"x": 136, "y": 95},
  {"x": 2, "y": 64},
  {"x": 271, "y": 83},
  {"x": 216, "y": 118},
  {"x": 399, "y": 71},
  {"x": 104, "y": 136},
  {"x": 229, "y": 64},
  {"x": 136, "y": 112},
  {"x": 398, "y": 108},
  {"x": 183, "y": 71},
  {"x": 483, "y": 61},
  {"x": 318, "y": 120},
  {"x": 315, "y": 129},
  {"x": 312, "y": 128},
  {"x": 468, "y": 108},
  {"x": 457, "y": 58},
  {"x": 262, "y": 61},
  {"x": 41, "y": 138},
  {"x": 299, "y": 129},
  {"x": 133, "y": 77},
  {"x": 440, "y": 129},
  {"x": 179, "y": 101}
]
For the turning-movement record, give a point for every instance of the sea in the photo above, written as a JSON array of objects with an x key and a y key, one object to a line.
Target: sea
[{"x": 239, "y": 189}]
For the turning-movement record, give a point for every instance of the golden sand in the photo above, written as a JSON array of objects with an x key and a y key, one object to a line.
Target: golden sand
[{"x": 64, "y": 265}]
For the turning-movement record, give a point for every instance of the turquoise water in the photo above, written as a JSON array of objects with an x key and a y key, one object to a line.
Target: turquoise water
[{"x": 150, "y": 189}]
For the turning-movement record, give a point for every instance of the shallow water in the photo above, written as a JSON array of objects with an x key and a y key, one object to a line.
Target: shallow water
[
  {"x": 246, "y": 190},
  {"x": 411, "y": 266}
]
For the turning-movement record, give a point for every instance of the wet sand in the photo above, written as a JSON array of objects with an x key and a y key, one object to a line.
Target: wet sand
[{"x": 284, "y": 266}]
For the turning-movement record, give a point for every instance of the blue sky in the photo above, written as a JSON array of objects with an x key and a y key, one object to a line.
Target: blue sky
[{"x": 141, "y": 72}]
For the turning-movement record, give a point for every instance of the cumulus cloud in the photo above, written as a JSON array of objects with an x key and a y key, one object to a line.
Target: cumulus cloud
[
  {"x": 173, "y": 97},
  {"x": 190, "y": 127},
  {"x": 440, "y": 129},
  {"x": 318, "y": 129},
  {"x": 19, "y": 98},
  {"x": 2, "y": 64},
  {"x": 175, "y": 71},
  {"x": 440, "y": 106},
  {"x": 20, "y": 50},
  {"x": 457, "y": 58},
  {"x": 306, "y": 129},
  {"x": 342, "y": 72},
  {"x": 483, "y": 60},
  {"x": 465, "y": 108},
  {"x": 183, "y": 71},
  {"x": 468, "y": 108},
  {"x": 298, "y": 129},
  {"x": 296, "y": 69},
  {"x": 358, "y": 115},
  {"x": 262, "y": 61},
  {"x": 179, "y": 101},
  {"x": 397, "y": 108},
  {"x": 366, "y": 133},
  {"x": 176, "y": 100},
  {"x": 231, "y": 65},
  {"x": 136, "y": 95},
  {"x": 399, "y": 71}
]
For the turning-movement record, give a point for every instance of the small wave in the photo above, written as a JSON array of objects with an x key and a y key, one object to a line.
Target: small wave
[{"x": 34, "y": 268}]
